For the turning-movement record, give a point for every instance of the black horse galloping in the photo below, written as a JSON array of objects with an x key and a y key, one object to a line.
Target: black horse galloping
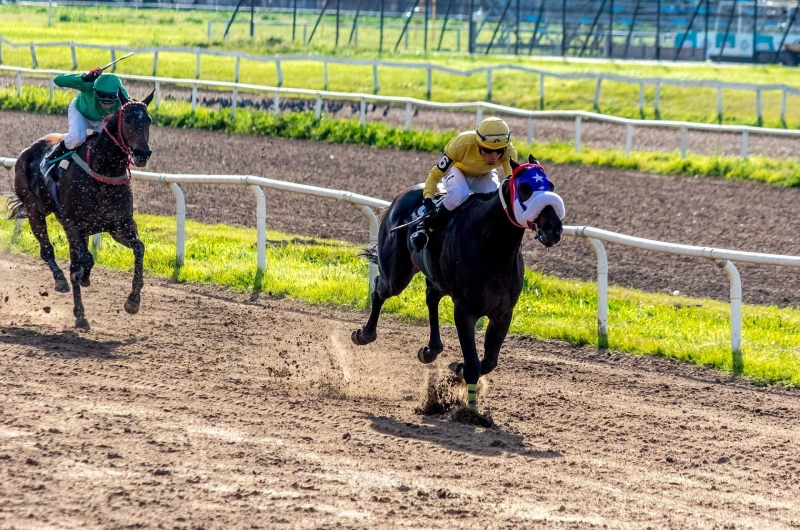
[
  {"x": 475, "y": 258},
  {"x": 92, "y": 195}
]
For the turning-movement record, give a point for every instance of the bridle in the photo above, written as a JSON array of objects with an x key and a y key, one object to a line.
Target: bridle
[
  {"x": 513, "y": 193},
  {"x": 119, "y": 141}
]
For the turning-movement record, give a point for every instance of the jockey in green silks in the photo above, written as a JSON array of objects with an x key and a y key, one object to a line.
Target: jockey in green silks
[{"x": 99, "y": 97}]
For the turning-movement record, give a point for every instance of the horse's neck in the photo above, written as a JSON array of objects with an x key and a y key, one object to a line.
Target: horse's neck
[
  {"x": 496, "y": 230},
  {"x": 107, "y": 158}
]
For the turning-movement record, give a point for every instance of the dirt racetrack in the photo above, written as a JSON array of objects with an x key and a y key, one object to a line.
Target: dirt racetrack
[
  {"x": 208, "y": 411},
  {"x": 699, "y": 211}
]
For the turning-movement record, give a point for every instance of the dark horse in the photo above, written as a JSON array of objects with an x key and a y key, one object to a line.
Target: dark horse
[
  {"x": 88, "y": 202},
  {"x": 475, "y": 258}
]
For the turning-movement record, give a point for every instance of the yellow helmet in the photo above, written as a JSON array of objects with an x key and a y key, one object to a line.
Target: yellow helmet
[{"x": 493, "y": 133}]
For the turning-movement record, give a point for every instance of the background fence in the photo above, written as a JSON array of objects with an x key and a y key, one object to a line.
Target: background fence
[
  {"x": 377, "y": 64},
  {"x": 411, "y": 103},
  {"x": 737, "y": 30},
  {"x": 723, "y": 258}
]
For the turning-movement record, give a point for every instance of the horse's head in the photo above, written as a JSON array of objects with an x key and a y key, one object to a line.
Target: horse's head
[
  {"x": 534, "y": 202},
  {"x": 134, "y": 128}
]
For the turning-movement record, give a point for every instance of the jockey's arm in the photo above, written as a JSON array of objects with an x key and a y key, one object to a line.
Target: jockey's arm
[
  {"x": 73, "y": 81},
  {"x": 451, "y": 155},
  {"x": 510, "y": 153}
]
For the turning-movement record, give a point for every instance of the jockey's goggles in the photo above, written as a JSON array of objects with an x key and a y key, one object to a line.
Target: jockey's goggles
[
  {"x": 493, "y": 138},
  {"x": 106, "y": 97},
  {"x": 490, "y": 151}
]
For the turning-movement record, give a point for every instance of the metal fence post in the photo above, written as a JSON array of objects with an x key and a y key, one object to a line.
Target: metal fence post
[
  {"x": 261, "y": 226},
  {"x": 541, "y": 91},
  {"x": 758, "y": 107},
  {"x": 629, "y": 140},
  {"x": 155, "y": 62},
  {"x": 180, "y": 229},
  {"x": 408, "y": 115},
  {"x": 783, "y": 107},
  {"x": 602, "y": 291},
  {"x": 279, "y": 70},
  {"x": 489, "y": 84},
  {"x": 597, "y": 93},
  {"x": 736, "y": 312},
  {"x": 375, "y": 84},
  {"x": 19, "y": 84},
  {"x": 578, "y": 134},
  {"x": 479, "y": 115},
  {"x": 362, "y": 119},
  {"x": 194, "y": 98},
  {"x": 430, "y": 83},
  {"x": 238, "y": 65},
  {"x": 325, "y": 73},
  {"x": 33, "y": 57},
  {"x": 684, "y": 141},
  {"x": 234, "y": 97},
  {"x": 74, "y": 57},
  {"x": 158, "y": 94},
  {"x": 277, "y": 103},
  {"x": 318, "y": 107},
  {"x": 113, "y": 58},
  {"x": 719, "y": 104},
  {"x": 657, "y": 101},
  {"x": 197, "y": 67},
  {"x": 744, "y": 143},
  {"x": 530, "y": 130},
  {"x": 641, "y": 99}
]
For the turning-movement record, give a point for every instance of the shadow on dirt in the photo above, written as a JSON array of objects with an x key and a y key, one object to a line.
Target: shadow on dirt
[
  {"x": 67, "y": 344},
  {"x": 459, "y": 437}
]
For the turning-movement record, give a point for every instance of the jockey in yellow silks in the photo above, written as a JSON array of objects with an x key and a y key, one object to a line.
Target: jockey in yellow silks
[{"x": 469, "y": 164}]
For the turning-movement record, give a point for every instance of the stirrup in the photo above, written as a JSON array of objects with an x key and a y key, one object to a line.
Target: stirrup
[{"x": 417, "y": 242}]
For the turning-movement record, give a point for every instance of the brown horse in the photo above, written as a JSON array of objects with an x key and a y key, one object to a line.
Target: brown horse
[{"x": 92, "y": 195}]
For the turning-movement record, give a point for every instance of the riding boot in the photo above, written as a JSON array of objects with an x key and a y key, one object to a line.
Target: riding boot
[
  {"x": 432, "y": 222},
  {"x": 56, "y": 151}
]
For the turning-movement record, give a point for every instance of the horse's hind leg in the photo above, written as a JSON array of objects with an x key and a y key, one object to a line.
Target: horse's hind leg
[
  {"x": 39, "y": 228},
  {"x": 496, "y": 333},
  {"x": 369, "y": 333},
  {"x": 128, "y": 236},
  {"x": 429, "y": 353}
]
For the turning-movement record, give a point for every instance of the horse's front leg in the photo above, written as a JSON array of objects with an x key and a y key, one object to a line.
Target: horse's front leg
[
  {"x": 128, "y": 236},
  {"x": 465, "y": 325},
  {"x": 496, "y": 333},
  {"x": 429, "y": 353}
]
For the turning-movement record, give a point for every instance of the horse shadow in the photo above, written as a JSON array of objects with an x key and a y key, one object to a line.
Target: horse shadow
[
  {"x": 65, "y": 344},
  {"x": 490, "y": 442}
]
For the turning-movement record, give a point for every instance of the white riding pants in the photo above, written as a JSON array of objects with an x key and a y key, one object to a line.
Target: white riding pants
[
  {"x": 458, "y": 186},
  {"x": 77, "y": 127}
]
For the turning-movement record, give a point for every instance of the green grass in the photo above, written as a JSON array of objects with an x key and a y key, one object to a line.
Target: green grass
[
  {"x": 304, "y": 126},
  {"x": 164, "y": 27},
  {"x": 330, "y": 272}
]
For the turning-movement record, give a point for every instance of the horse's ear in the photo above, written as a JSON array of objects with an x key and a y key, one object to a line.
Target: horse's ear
[
  {"x": 552, "y": 187},
  {"x": 123, "y": 99},
  {"x": 149, "y": 98},
  {"x": 532, "y": 159},
  {"x": 514, "y": 164}
]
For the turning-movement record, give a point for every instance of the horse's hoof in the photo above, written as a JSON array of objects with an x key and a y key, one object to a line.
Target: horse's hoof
[
  {"x": 426, "y": 356},
  {"x": 360, "y": 340},
  {"x": 62, "y": 286},
  {"x": 86, "y": 282},
  {"x": 131, "y": 307},
  {"x": 82, "y": 323},
  {"x": 457, "y": 368}
]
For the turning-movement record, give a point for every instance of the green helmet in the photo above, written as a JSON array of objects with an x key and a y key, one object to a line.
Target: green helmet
[{"x": 107, "y": 87}]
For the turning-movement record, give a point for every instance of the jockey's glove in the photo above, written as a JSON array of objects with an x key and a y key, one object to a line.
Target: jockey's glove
[
  {"x": 429, "y": 206},
  {"x": 92, "y": 76}
]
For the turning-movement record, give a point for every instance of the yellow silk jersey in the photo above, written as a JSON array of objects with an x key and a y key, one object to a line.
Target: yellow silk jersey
[{"x": 462, "y": 151}]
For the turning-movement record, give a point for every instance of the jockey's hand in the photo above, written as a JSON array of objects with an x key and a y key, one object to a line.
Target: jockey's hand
[
  {"x": 92, "y": 76},
  {"x": 429, "y": 207}
]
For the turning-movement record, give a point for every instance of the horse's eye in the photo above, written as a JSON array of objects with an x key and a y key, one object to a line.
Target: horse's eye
[{"x": 525, "y": 191}]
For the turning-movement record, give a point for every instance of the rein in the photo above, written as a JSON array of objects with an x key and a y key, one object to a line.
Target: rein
[
  {"x": 512, "y": 192},
  {"x": 119, "y": 141}
]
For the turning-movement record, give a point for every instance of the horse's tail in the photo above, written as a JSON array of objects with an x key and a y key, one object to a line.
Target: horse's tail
[
  {"x": 17, "y": 208},
  {"x": 371, "y": 253}
]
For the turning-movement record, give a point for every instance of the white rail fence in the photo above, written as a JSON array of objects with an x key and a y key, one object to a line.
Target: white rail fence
[
  {"x": 412, "y": 103},
  {"x": 657, "y": 82},
  {"x": 594, "y": 236}
]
